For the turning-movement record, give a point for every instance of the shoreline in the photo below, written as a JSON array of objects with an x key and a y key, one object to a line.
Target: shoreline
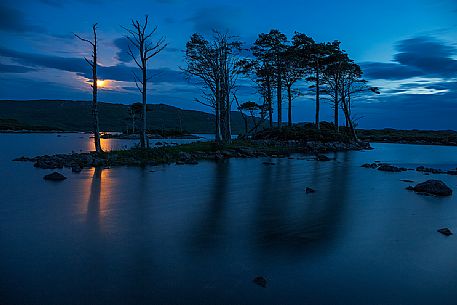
[{"x": 191, "y": 154}]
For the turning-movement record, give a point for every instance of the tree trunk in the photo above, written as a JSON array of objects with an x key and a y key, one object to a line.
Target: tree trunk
[
  {"x": 218, "y": 113},
  {"x": 269, "y": 101},
  {"x": 337, "y": 123},
  {"x": 144, "y": 139},
  {"x": 279, "y": 96},
  {"x": 348, "y": 119},
  {"x": 289, "y": 112},
  {"x": 96, "y": 127},
  {"x": 318, "y": 125}
]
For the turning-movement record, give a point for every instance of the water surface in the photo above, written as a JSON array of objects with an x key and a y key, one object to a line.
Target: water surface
[{"x": 200, "y": 234}]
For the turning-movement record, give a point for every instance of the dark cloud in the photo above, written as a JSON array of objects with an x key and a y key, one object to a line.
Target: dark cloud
[
  {"x": 119, "y": 72},
  {"x": 393, "y": 71},
  {"x": 122, "y": 44},
  {"x": 410, "y": 111},
  {"x": 13, "y": 20},
  {"x": 221, "y": 18},
  {"x": 14, "y": 69},
  {"x": 420, "y": 56}
]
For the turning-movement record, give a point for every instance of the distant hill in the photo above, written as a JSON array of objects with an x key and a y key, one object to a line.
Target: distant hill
[{"x": 76, "y": 116}]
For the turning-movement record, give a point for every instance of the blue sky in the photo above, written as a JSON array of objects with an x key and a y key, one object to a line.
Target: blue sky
[{"x": 408, "y": 48}]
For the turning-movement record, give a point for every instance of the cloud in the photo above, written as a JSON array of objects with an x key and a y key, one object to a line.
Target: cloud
[
  {"x": 119, "y": 72},
  {"x": 417, "y": 57},
  {"x": 13, "y": 20},
  {"x": 218, "y": 17},
  {"x": 122, "y": 44},
  {"x": 14, "y": 69}
]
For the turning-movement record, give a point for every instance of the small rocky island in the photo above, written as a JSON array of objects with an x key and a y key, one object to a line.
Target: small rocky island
[{"x": 278, "y": 142}]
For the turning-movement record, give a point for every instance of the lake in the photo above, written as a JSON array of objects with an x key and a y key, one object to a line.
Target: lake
[{"x": 199, "y": 234}]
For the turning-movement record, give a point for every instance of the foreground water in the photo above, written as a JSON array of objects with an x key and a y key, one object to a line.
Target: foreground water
[{"x": 200, "y": 234}]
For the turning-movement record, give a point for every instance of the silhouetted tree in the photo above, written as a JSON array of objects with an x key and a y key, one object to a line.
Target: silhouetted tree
[
  {"x": 269, "y": 49},
  {"x": 352, "y": 83},
  {"x": 93, "y": 64},
  {"x": 336, "y": 64},
  {"x": 217, "y": 65},
  {"x": 294, "y": 70},
  {"x": 135, "y": 110},
  {"x": 252, "y": 108},
  {"x": 141, "y": 40},
  {"x": 318, "y": 54}
]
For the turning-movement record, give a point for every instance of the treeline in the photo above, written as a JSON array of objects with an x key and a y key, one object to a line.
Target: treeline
[
  {"x": 276, "y": 65},
  {"x": 281, "y": 69}
]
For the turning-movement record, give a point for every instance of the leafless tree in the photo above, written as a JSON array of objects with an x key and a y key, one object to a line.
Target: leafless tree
[
  {"x": 216, "y": 65},
  {"x": 93, "y": 64},
  {"x": 145, "y": 48}
]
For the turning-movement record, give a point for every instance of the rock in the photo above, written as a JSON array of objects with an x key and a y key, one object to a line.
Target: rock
[
  {"x": 453, "y": 173},
  {"x": 22, "y": 159},
  {"x": 180, "y": 163},
  {"x": 370, "y": 165},
  {"x": 268, "y": 163},
  {"x": 389, "y": 168},
  {"x": 410, "y": 188},
  {"x": 309, "y": 190},
  {"x": 433, "y": 187},
  {"x": 261, "y": 281},
  {"x": 406, "y": 180},
  {"x": 429, "y": 170},
  {"x": 159, "y": 143},
  {"x": 445, "y": 231},
  {"x": 55, "y": 176},
  {"x": 322, "y": 158}
]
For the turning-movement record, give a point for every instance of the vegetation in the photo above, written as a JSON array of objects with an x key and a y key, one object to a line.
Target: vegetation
[
  {"x": 77, "y": 116},
  {"x": 216, "y": 64}
]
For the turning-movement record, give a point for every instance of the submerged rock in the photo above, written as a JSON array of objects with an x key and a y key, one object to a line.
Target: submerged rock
[
  {"x": 445, "y": 231},
  {"x": 309, "y": 190},
  {"x": 55, "y": 176},
  {"x": 391, "y": 168},
  {"x": 433, "y": 187},
  {"x": 407, "y": 180},
  {"x": 322, "y": 158},
  {"x": 424, "y": 169},
  {"x": 370, "y": 165},
  {"x": 261, "y": 281},
  {"x": 268, "y": 163}
]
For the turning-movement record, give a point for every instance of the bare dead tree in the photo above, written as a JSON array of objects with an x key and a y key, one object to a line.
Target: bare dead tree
[
  {"x": 141, "y": 40},
  {"x": 93, "y": 64}
]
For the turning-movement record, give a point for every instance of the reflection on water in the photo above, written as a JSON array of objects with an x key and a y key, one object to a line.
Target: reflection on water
[{"x": 199, "y": 234}]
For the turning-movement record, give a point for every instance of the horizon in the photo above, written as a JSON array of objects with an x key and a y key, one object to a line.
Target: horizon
[{"x": 412, "y": 57}]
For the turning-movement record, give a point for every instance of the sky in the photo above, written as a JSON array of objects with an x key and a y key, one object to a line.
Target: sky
[{"x": 408, "y": 48}]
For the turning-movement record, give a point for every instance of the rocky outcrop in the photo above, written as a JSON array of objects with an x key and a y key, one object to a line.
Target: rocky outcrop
[
  {"x": 55, "y": 176},
  {"x": 261, "y": 281},
  {"x": 391, "y": 168},
  {"x": 432, "y": 187},
  {"x": 445, "y": 231}
]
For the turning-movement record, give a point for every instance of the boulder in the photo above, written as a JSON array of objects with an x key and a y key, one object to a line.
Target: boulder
[
  {"x": 433, "y": 187},
  {"x": 390, "y": 168},
  {"x": 322, "y": 158},
  {"x": 309, "y": 190},
  {"x": 55, "y": 176},
  {"x": 261, "y": 281},
  {"x": 445, "y": 231}
]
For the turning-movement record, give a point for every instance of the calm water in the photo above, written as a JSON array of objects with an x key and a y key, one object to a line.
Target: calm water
[{"x": 200, "y": 234}]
